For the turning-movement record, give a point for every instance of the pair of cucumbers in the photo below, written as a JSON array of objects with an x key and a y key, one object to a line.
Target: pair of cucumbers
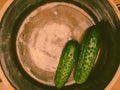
[{"x": 85, "y": 56}]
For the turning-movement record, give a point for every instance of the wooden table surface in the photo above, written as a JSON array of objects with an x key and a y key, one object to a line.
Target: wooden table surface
[{"x": 5, "y": 85}]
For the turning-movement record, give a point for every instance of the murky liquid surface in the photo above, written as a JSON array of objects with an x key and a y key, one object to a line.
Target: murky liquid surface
[{"x": 44, "y": 33}]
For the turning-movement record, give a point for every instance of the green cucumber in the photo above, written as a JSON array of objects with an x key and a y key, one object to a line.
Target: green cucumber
[
  {"x": 89, "y": 50},
  {"x": 66, "y": 64}
]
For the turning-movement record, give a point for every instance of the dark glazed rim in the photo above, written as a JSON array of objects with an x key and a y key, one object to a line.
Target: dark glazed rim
[
  {"x": 118, "y": 5},
  {"x": 99, "y": 10}
]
